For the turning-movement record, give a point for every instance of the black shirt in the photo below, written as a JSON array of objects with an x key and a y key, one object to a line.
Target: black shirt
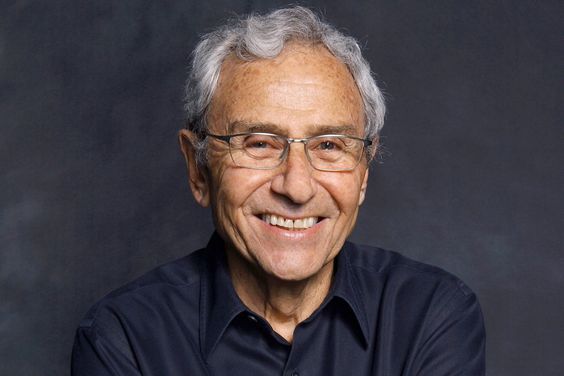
[{"x": 384, "y": 315}]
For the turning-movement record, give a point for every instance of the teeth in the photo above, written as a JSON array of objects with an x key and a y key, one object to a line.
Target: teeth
[{"x": 302, "y": 223}]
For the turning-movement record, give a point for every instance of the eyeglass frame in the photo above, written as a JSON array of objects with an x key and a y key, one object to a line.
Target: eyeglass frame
[{"x": 289, "y": 140}]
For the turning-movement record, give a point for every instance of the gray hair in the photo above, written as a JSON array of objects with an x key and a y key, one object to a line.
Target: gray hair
[{"x": 264, "y": 37}]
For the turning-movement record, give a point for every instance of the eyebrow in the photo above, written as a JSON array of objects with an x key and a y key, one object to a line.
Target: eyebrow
[
  {"x": 315, "y": 129},
  {"x": 244, "y": 126}
]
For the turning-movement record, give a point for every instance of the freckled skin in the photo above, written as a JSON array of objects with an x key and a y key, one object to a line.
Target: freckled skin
[{"x": 301, "y": 88}]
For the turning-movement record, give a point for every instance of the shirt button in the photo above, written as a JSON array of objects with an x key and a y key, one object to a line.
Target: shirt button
[
  {"x": 253, "y": 319},
  {"x": 295, "y": 373}
]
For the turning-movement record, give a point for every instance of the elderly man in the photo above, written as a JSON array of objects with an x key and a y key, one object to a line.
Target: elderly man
[{"x": 283, "y": 118}]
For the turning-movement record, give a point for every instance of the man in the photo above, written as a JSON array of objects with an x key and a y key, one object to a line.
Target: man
[{"x": 283, "y": 118}]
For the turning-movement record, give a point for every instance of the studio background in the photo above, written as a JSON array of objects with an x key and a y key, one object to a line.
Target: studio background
[{"x": 93, "y": 188}]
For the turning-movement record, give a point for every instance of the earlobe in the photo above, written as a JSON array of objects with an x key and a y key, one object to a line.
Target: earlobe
[{"x": 197, "y": 176}]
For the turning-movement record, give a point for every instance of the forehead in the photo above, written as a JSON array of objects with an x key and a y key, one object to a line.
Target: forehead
[{"x": 304, "y": 86}]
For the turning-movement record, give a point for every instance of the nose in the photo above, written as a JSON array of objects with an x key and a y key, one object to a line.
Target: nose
[{"x": 294, "y": 178}]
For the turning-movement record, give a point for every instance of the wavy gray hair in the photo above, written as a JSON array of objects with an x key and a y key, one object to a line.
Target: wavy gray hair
[{"x": 264, "y": 37}]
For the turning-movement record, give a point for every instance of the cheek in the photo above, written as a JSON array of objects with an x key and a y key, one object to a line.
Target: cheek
[
  {"x": 235, "y": 188},
  {"x": 344, "y": 190}
]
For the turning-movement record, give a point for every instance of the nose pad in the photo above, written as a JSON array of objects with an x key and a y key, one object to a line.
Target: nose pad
[{"x": 295, "y": 179}]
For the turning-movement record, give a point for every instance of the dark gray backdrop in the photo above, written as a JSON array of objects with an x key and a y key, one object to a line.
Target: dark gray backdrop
[{"x": 93, "y": 190}]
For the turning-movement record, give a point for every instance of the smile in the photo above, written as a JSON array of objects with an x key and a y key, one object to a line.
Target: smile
[{"x": 291, "y": 224}]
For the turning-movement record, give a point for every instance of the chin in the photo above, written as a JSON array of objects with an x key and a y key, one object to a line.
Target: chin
[{"x": 294, "y": 271}]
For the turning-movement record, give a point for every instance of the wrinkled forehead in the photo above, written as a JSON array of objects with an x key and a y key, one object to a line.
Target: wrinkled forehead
[{"x": 304, "y": 80}]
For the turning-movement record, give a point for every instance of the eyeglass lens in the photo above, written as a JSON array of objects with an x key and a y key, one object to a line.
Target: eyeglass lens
[{"x": 264, "y": 151}]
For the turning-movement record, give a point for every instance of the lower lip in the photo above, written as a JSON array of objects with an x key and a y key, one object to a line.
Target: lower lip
[{"x": 284, "y": 233}]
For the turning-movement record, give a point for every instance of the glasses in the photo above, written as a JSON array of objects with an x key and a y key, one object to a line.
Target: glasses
[{"x": 265, "y": 151}]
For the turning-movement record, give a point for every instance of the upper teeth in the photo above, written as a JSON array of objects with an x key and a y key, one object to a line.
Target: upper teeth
[{"x": 289, "y": 223}]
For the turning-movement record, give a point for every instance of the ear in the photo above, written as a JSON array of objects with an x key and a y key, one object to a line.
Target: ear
[
  {"x": 374, "y": 148},
  {"x": 363, "y": 187},
  {"x": 197, "y": 174}
]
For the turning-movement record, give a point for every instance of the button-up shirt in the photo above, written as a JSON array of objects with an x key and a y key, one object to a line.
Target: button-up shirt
[{"x": 384, "y": 315}]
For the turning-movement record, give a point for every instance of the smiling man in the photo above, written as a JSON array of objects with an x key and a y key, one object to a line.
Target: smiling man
[{"x": 283, "y": 120}]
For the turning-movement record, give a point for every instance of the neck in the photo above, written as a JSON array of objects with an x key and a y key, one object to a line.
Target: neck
[{"x": 284, "y": 304}]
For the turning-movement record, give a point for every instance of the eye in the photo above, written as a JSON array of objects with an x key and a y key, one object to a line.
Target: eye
[
  {"x": 327, "y": 145},
  {"x": 262, "y": 142},
  {"x": 257, "y": 145}
]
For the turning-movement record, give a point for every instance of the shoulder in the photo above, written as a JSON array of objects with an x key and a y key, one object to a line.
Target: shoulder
[
  {"x": 394, "y": 277},
  {"x": 130, "y": 321},
  {"x": 171, "y": 283},
  {"x": 428, "y": 318},
  {"x": 395, "y": 266}
]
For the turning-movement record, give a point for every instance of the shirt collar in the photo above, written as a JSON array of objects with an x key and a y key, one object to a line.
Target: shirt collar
[
  {"x": 219, "y": 303},
  {"x": 347, "y": 288}
]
